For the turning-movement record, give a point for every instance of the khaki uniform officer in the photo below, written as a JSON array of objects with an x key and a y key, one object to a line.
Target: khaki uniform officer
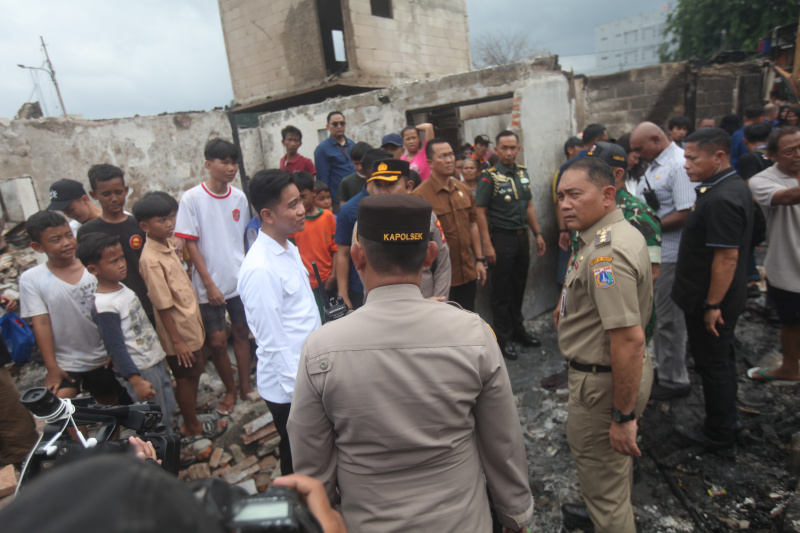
[
  {"x": 606, "y": 302},
  {"x": 405, "y": 404}
]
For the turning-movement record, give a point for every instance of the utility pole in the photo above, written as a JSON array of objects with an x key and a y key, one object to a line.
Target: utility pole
[{"x": 52, "y": 72}]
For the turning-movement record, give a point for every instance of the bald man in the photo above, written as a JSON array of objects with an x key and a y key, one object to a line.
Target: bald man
[{"x": 667, "y": 189}]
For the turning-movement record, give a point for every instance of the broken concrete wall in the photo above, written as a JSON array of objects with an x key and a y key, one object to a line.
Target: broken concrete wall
[
  {"x": 157, "y": 153},
  {"x": 624, "y": 99},
  {"x": 372, "y": 115},
  {"x": 543, "y": 105},
  {"x": 533, "y": 95}
]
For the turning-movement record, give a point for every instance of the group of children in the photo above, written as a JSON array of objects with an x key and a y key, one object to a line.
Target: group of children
[{"x": 112, "y": 304}]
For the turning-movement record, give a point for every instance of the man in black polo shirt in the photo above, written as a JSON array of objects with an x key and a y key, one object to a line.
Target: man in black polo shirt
[{"x": 710, "y": 285}]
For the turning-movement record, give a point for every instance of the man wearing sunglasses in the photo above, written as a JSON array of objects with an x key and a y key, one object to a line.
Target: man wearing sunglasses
[{"x": 332, "y": 156}]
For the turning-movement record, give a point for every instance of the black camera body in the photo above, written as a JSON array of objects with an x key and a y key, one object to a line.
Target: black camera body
[
  {"x": 277, "y": 509},
  {"x": 57, "y": 447}
]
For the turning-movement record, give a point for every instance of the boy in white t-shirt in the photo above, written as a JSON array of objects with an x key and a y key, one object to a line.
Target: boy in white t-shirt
[
  {"x": 129, "y": 337},
  {"x": 58, "y": 296},
  {"x": 212, "y": 219}
]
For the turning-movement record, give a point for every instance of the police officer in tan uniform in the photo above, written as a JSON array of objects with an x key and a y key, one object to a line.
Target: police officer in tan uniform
[
  {"x": 605, "y": 303},
  {"x": 405, "y": 405}
]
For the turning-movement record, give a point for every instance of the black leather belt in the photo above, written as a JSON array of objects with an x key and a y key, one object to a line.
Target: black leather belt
[
  {"x": 589, "y": 368},
  {"x": 510, "y": 231}
]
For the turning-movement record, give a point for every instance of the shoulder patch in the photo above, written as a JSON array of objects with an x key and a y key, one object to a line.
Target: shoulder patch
[
  {"x": 596, "y": 260},
  {"x": 492, "y": 169},
  {"x": 603, "y": 237},
  {"x": 604, "y": 277}
]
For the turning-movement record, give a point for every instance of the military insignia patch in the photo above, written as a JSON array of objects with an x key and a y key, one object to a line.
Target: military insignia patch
[
  {"x": 593, "y": 262},
  {"x": 604, "y": 277}
]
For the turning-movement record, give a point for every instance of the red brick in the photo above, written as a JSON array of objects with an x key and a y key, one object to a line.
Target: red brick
[
  {"x": 258, "y": 423},
  {"x": 236, "y": 451},
  {"x": 216, "y": 457},
  {"x": 268, "y": 463},
  {"x": 199, "y": 471},
  {"x": 261, "y": 433},
  {"x": 226, "y": 458},
  {"x": 262, "y": 482},
  {"x": 221, "y": 470},
  {"x": 233, "y": 476},
  {"x": 268, "y": 437},
  {"x": 8, "y": 481},
  {"x": 182, "y": 474}
]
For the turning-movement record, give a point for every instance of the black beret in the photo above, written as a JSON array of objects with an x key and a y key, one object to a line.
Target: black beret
[
  {"x": 389, "y": 170},
  {"x": 394, "y": 219}
]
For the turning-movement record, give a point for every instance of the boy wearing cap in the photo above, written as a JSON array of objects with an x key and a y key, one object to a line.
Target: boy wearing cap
[
  {"x": 481, "y": 152},
  {"x": 277, "y": 297},
  {"x": 393, "y": 143},
  {"x": 446, "y": 419},
  {"x": 69, "y": 197}
]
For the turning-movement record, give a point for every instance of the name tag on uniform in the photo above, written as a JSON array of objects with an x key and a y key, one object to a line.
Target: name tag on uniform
[{"x": 563, "y": 306}]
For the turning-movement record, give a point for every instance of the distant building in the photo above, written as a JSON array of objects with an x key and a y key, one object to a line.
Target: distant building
[
  {"x": 631, "y": 42},
  {"x": 283, "y": 53}
]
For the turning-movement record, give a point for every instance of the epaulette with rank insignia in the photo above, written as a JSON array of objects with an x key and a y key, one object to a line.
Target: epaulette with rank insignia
[
  {"x": 523, "y": 167},
  {"x": 603, "y": 237}
]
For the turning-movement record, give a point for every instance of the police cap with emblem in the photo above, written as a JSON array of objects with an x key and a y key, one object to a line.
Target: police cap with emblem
[
  {"x": 611, "y": 154},
  {"x": 389, "y": 170},
  {"x": 394, "y": 219},
  {"x": 64, "y": 192}
]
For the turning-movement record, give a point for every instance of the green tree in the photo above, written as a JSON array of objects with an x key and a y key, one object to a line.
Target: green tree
[{"x": 696, "y": 25}]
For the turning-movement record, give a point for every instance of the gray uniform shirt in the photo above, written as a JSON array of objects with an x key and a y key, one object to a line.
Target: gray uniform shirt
[{"x": 406, "y": 405}]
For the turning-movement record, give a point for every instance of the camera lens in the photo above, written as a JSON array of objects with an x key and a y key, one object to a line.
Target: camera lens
[{"x": 41, "y": 402}]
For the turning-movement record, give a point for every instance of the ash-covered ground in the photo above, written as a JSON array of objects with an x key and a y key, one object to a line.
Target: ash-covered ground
[{"x": 682, "y": 488}]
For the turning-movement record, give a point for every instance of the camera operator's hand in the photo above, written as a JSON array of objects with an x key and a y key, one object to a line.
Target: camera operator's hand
[
  {"x": 144, "y": 450},
  {"x": 143, "y": 388},
  {"x": 313, "y": 492}
]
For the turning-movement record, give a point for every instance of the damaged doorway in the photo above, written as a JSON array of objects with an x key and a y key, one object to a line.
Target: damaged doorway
[{"x": 460, "y": 122}]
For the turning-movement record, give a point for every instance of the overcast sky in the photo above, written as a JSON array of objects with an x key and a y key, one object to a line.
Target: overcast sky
[{"x": 118, "y": 59}]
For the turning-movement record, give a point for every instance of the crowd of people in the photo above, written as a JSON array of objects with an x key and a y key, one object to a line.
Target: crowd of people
[{"x": 657, "y": 231}]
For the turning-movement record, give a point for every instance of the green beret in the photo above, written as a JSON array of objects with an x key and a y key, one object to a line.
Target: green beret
[{"x": 394, "y": 219}]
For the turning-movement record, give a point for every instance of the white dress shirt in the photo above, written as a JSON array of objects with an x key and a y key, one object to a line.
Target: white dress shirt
[
  {"x": 281, "y": 312},
  {"x": 675, "y": 192}
]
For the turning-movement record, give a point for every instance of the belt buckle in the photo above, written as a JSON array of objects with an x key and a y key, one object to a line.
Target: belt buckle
[{"x": 520, "y": 231}]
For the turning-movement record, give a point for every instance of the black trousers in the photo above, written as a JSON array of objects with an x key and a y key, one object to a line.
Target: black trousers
[
  {"x": 280, "y": 415},
  {"x": 715, "y": 362},
  {"x": 509, "y": 276},
  {"x": 464, "y": 295}
]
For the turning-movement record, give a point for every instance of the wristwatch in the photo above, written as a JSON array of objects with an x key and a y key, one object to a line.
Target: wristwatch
[
  {"x": 537, "y": 233},
  {"x": 619, "y": 418},
  {"x": 481, "y": 260},
  {"x": 707, "y": 306}
]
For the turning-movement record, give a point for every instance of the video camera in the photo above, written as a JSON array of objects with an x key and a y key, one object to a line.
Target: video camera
[{"x": 56, "y": 446}]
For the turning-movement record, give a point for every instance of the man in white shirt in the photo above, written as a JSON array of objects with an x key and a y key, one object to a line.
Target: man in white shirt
[
  {"x": 666, "y": 188},
  {"x": 777, "y": 192},
  {"x": 280, "y": 307}
]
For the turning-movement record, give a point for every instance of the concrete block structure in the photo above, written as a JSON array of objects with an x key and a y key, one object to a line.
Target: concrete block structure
[{"x": 283, "y": 53}]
